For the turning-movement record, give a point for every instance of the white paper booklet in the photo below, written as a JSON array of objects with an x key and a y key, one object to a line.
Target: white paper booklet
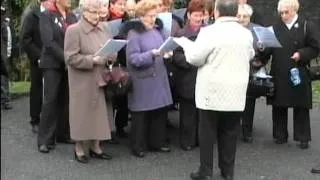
[
  {"x": 266, "y": 36},
  {"x": 166, "y": 19},
  {"x": 262, "y": 73},
  {"x": 114, "y": 26},
  {"x": 184, "y": 42},
  {"x": 111, "y": 47},
  {"x": 168, "y": 45}
]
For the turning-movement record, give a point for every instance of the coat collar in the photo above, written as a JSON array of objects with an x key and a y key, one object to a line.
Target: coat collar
[
  {"x": 87, "y": 27},
  {"x": 226, "y": 19}
]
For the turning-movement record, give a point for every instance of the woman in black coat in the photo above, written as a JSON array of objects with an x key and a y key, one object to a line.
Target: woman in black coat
[
  {"x": 54, "y": 123},
  {"x": 300, "y": 43},
  {"x": 185, "y": 78}
]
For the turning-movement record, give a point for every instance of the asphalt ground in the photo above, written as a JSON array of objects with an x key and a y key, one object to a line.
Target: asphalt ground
[{"x": 262, "y": 160}]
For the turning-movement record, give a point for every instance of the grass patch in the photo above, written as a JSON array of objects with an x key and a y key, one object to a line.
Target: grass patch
[
  {"x": 20, "y": 87},
  {"x": 316, "y": 92}
]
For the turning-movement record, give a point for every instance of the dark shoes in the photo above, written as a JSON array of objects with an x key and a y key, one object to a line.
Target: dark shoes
[
  {"x": 161, "y": 149},
  {"x": 43, "y": 148},
  {"x": 247, "y": 139},
  {"x": 304, "y": 145},
  {"x": 199, "y": 176},
  {"x": 35, "y": 129},
  {"x": 99, "y": 156},
  {"x": 138, "y": 153},
  {"x": 316, "y": 170},
  {"x": 280, "y": 141},
  {"x": 187, "y": 148},
  {"x": 226, "y": 176},
  {"x": 81, "y": 159}
]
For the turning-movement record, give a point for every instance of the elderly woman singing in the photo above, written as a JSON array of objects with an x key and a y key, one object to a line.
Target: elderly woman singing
[{"x": 88, "y": 111}]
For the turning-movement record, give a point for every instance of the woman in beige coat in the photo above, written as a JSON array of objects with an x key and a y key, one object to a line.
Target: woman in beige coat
[{"x": 88, "y": 111}]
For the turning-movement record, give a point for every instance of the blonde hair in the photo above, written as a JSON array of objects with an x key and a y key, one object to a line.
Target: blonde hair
[
  {"x": 144, "y": 6},
  {"x": 291, "y": 3},
  {"x": 245, "y": 8}
]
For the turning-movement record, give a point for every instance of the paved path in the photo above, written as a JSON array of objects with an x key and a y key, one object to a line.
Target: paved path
[{"x": 263, "y": 160}]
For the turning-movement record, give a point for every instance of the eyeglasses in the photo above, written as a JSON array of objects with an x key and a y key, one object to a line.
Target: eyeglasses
[{"x": 284, "y": 12}]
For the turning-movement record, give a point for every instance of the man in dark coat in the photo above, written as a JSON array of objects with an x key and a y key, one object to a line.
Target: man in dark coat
[
  {"x": 32, "y": 45},
  {"x": 300, "y": 44},
  {"x": 54, "y": 123}
]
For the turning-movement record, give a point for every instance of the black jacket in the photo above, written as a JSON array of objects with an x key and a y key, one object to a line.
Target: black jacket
[
  {"x": 52, "y": 31},
  {"x": 302, "y": 38},
  {"x": 185, "y": 74},
  {"x": 30, "y": 33}
]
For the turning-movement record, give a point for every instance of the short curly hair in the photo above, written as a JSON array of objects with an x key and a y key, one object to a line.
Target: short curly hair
[{"x": 143, "y": 6}]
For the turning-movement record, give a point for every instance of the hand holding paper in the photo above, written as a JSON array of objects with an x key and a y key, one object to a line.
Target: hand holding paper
[
  {"x": 168, "y": 45},
  {"x": 266, "y": 36},
  {"x": 111, "y": 47}
]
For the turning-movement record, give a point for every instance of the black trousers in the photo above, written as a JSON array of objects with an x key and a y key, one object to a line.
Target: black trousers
[
  {"x": 54, "y": 123},
  {"x": 189, "y": 123},
  {"x": 247, "y": 118},
  {"x": 120, "y": 106},
  {"x": 223, "y": 127},
  {"x": 36, "y": 92},
  {"x": 301, "y": 123},
  {"x": 148, "y": 129}
]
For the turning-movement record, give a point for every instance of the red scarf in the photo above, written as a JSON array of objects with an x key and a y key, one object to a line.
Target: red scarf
[
  {"x": 53, "y": 8},
  {"x": 115, "y": 15}
]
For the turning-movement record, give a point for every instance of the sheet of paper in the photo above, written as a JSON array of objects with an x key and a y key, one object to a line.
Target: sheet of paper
[
  {"x": 266, "y": 36},
  {"x": 111, "y": 47},
  {"x": 180, "y": 12},
  {"x": 262, "y": 73},
  {"x": 114, "y": 26},
  {"x": 168, "y": 45},
  {"x": 166, "y": 19},
  {"x": 184, "y": 42}
]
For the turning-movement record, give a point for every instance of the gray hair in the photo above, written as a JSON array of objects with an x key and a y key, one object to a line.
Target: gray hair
[
  {"x": 227, "y": 7},
  {"x": 91, "y": 3},
  {"x": 291, "y": 3},
  {"x": 245, "y": 8}
]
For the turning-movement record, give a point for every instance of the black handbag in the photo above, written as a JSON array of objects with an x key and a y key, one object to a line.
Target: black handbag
[
  {"x": 258, "y": 87},
  {"x": 314, "y": 69}
]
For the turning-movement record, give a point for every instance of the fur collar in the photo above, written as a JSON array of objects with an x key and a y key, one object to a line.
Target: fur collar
[{"x": 137, "y": 26}]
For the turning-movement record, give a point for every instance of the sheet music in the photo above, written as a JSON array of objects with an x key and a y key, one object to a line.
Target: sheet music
[
  {"x": 168, "y": 45},
  {"x": 166, "y": 19},
  {"x": 111, "y": 47},
  {"x": 114, "y": 26},
  {"x": 266, "y": 36},
  {"x": 184, "y": 42}
]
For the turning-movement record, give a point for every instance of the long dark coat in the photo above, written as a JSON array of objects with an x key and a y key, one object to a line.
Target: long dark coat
[
  {"x": 186, "y": 74},
  {"x": 30, "y": 33},
  {"x": 302, "y": 38}
]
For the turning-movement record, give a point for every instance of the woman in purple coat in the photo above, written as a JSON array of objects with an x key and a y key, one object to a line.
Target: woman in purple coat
[{"x": 150, "y": 97}]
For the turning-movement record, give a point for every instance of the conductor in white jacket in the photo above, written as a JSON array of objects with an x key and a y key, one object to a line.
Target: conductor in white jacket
[{"x": 222, "y": 52}]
